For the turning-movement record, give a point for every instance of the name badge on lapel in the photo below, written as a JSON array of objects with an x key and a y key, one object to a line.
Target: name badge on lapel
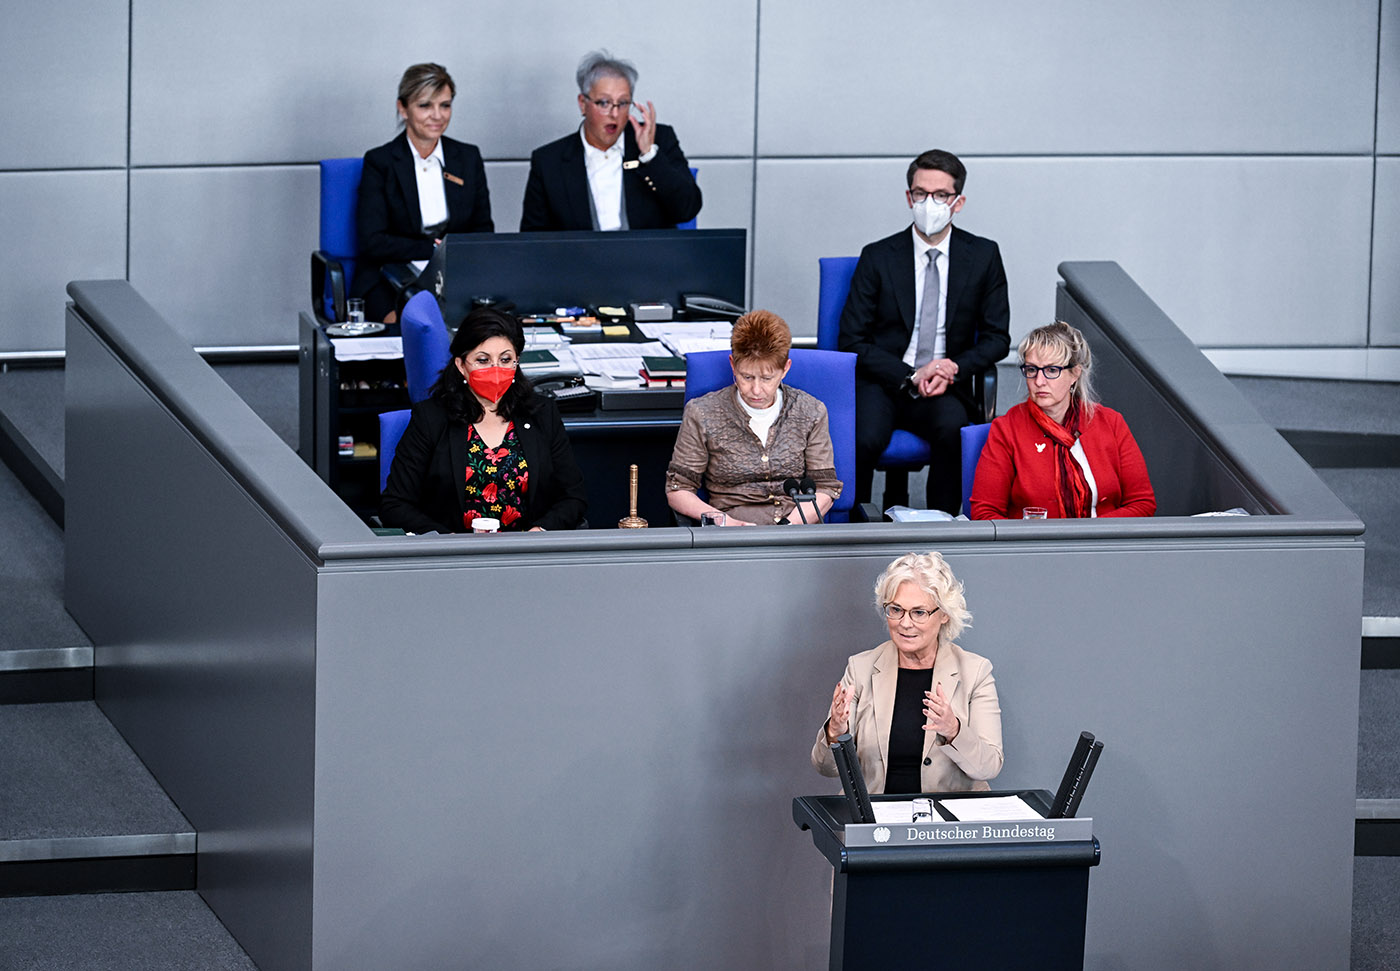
[
  {"x": 452, "y": 178},
  {"x": 631, "y": 165}
]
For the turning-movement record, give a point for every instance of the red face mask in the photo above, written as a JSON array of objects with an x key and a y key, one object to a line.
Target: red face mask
[{"x": 491, "y": 382}]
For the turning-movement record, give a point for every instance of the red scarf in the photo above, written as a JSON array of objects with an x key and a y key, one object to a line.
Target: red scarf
[{"x": 1071, "y": 488}]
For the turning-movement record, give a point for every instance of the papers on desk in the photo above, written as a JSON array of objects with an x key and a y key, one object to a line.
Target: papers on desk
[
  {"x": 985, "y": 809},
  {"x": 610, "y": 365},
  {"x": 690, "y": 345},
  {"x": 546, "y": 338},
  {"x": 684, "y": 337},
  {"x": 893, "y": 813},
  {"x": 658, "y": 330},
  {"x": 367, "y": 348},
  {"x": 970, "y": 809},
  {"x": 586, "y": 353}
]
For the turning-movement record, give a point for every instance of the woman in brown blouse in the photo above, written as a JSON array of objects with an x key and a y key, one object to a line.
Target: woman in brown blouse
[{"x": 741, "y": 443}]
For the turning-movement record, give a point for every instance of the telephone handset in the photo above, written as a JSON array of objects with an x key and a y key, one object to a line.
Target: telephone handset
[{"x": 569, "y": 393}]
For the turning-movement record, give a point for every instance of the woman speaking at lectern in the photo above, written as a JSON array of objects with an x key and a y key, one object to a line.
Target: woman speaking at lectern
[{"x": 923, "y": 712}]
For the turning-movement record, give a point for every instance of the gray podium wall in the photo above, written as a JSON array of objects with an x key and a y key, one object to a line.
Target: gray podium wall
[
  {"x": 579, "y": 750},
  {"x": 1161, "y": 136}
]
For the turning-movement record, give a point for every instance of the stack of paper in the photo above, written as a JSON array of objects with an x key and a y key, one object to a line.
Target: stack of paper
[{"x": 367, "y": 348}]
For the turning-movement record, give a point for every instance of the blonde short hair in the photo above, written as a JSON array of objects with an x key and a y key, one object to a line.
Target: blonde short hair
[
  {"x": 931, "y": 574},
  {"x": 1062, "y": 343}
]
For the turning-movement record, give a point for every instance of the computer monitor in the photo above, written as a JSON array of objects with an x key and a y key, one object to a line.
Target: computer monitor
[{"x": 542, "y": 271}]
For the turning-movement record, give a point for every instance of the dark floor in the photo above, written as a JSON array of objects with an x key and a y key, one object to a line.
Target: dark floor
[
  {"x": 32, "y": 399},
  {"x": 69, "y": 773},
  {"x": 1374, "y": 495},
  {"x": 171, "y": 931},
  {"x": 1375, "y": 914},
  {"x": 31, "y": 575},
  {"x": 1378, "y": 743}
]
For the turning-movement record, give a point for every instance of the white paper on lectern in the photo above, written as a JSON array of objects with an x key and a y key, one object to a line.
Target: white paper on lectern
[
  {"x": 982, "y": 809},
  {"x": 891, "y": 813}
]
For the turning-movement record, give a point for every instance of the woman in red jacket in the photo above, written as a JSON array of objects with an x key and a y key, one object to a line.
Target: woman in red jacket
[{"x": 1060, "y": 450}]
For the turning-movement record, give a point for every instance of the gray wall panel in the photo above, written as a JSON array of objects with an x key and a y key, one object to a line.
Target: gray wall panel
[
  {"x": 215, "y": 694},
  {"x": 54, "y": 227},
  {"x": 1388, "y": 103},
  {"x": 63, "y": 71},
  {"x": 1385, "y": 256},
  {"x": 223, "y": 253},
  {"x": 1027, "y": 77},
  {"x": 1216, "y": 241},
  {"x": 262, "y": 81},
  {"x": 582, "y": 764}
]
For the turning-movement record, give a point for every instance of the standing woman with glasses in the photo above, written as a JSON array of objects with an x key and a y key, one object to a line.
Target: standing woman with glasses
[
  {"x": 620, "y": 170},
  {"x": 416, "y": 189},
  {"x": 1059, "y": 453},
  {"x": 923, "y": 712}
]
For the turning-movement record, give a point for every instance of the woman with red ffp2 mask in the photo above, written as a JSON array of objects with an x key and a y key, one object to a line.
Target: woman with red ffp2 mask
[{"x": 483, "y": 445}]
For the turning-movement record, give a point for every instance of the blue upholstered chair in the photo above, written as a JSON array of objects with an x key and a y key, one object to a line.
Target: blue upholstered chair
[
  {"x": 829, "y": 376},
  {"x": 906, "y": 451},
  {"x": 973, "y": 438},
  {"x": 333, "y": 263},
  {"x": 391, "y": 428},
  {"x": 426, "y": 344},
  {"x": 690, "y": 224}
]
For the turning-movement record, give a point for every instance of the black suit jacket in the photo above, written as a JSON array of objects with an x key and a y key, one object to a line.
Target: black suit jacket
[
  {"x": 389, "y": 219},
  {"x": 425, "y": 489},
  {"x": 658, "y": 195},
  {"x": 878, "y": 319}
]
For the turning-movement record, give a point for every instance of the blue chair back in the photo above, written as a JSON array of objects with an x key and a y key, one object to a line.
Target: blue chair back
[
  {"x": 973, "y": 438},
  {"x": 828, "y": 376},
  {"x": 836, "y": 273},
  {"x": 391, "y": 426},
  {"x": 690, "y": 224},
  {"x": 426, "y": 343},
  {"x": 339, "y": 238}
]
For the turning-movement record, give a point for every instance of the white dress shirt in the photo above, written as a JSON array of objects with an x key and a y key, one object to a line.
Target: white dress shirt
[
  {"x": 940, "y": 346},
  {"x": 432, "y": 193},
  {"x": 605, "y": 181}
]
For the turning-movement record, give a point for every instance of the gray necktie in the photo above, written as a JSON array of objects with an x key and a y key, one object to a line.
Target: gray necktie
[{"x": 928, "y": 312}]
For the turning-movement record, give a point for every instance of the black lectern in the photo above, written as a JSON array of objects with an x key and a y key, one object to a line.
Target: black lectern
[{"x": 954, "y": 894}]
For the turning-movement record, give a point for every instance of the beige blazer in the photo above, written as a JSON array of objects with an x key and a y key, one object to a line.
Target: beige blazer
[{"x": 965, "y": 763}]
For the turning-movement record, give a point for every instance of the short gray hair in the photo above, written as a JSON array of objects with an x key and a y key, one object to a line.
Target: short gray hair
[
  {"x": 601, "y": 64},
  {"x": 931, "y": 574}
]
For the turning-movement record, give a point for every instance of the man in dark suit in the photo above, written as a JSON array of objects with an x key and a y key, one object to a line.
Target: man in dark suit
[
  {"x": 619, "y": 171},
  {"x": 927, "y": 311}
]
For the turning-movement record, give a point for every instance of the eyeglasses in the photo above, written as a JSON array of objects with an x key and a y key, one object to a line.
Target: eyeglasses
[
  {"x": 940, "y": 197},
  {"x": 918, "y": 615},
  {"x": 606, "y": 106},
  {"x": 1051, "y": 371}
]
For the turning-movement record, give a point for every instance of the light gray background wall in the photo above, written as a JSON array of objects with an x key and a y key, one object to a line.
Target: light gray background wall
[{"x": 1241, "y": 161}]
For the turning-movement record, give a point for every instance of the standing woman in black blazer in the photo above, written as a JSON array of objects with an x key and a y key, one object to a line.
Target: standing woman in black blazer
[
  {"x": 417, "y": 188},
  {"x": 483, "y": 444}
]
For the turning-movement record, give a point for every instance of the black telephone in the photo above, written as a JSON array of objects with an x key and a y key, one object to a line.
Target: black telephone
[
  {"x": 701, "y": 305},
  {"x": 569, "y": 393}
]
